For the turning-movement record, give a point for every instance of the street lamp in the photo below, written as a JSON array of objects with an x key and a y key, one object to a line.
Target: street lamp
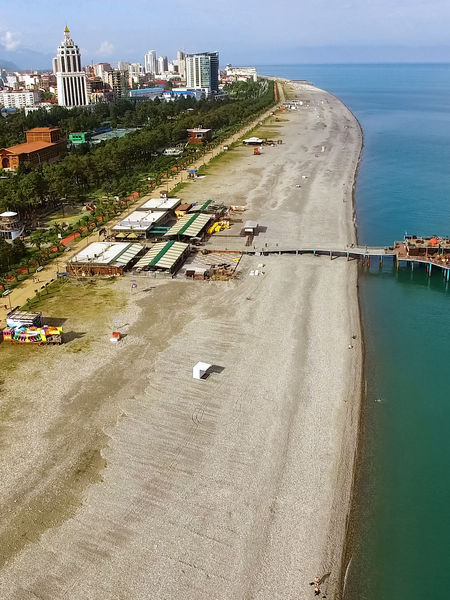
[{"x": 7, "y": 293}]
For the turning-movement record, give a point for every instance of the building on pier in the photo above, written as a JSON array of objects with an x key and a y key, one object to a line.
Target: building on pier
[{"x": 426, "y": 247}]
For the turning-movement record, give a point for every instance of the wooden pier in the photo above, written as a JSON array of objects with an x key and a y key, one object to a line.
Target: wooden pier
[{"x": 430, "y": 252}]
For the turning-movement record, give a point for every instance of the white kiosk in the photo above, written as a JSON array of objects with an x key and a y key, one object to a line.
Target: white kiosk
[{"x": 200, "y": 369}]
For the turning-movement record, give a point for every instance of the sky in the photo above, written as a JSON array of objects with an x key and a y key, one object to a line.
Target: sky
[{"x": 243, "y": 31}]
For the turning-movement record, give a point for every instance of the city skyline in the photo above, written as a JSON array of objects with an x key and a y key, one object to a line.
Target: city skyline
[{"x": 254, "y": 32}]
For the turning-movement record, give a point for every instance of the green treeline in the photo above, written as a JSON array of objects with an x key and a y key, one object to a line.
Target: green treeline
[
  {"x": 117, "y": 167},
  {"x": 121, "y": 166}
]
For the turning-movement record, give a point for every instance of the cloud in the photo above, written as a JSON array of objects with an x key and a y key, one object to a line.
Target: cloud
[
  {"x": 106, "y": 48},
  {"x": 9, "y": 40}
]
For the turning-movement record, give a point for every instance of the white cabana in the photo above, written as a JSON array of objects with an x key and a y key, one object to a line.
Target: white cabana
[
  {"x": 253, "y": 141},
  {"x": 200, "y": 369}
]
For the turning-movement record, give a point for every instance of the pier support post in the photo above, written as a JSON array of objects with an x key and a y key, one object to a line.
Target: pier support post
[
  {"x": 448, "y": 274},
  {"x": 381, "y": 262},
  {"x": 331, "y": 254},
  {"x": 296, "y": 252},
  {"x": 348, "y": 256},
  {"x": 429, "y": 269}
]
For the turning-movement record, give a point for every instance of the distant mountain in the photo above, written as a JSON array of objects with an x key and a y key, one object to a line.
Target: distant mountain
[
  {"x": 8, "y": 65},
  {"x": 24, "y": 59}
]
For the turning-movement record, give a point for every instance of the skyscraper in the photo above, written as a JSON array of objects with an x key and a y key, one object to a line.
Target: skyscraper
[
  {"x": 181, "y": 59},
  {"x": 70, "y": 79},
  {"x": 202, "y": 71},
  {"x": 163, "y": 64},
  {"x": 150, "y": 62}
]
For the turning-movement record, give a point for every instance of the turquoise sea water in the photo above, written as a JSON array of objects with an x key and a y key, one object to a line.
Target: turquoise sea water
[{"x": 402, "y": 524}]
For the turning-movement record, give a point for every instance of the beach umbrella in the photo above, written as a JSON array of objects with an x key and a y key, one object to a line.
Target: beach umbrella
[{"x": 434, "y": 241}]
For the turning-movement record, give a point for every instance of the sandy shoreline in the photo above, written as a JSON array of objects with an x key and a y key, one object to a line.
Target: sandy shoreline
[{"x": 234, "y": 487}]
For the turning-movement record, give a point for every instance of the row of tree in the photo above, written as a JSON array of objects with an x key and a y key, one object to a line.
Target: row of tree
[{"x": 124, "y": 165}]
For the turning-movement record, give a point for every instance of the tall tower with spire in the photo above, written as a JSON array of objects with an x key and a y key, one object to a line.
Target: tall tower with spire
[{"x": 70, "y": 79}]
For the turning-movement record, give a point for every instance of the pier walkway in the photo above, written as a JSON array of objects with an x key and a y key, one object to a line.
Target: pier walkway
[{"x": 364, "y": 254}]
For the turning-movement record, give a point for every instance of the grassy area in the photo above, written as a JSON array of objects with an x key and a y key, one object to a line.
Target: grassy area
[
  {"x": 71, "y": 215},
  {"x": 269, "y": 129},
  {"x": 85, "y": 310},
  {"x": 224, "y": 158},
  {"x": 71, "y": 297},
  {"x": 178, "y": 188}
]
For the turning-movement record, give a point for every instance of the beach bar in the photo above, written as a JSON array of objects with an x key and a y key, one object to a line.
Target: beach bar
[
  {"x": 164, "y": 256},
  {"x": 104, "y": 258},
  {"x": 159, "y": 204},
  {"x": 140, "y": 223}
]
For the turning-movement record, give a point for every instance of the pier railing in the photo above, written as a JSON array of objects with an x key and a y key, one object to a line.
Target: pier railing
[{"x": 364, "y": 254}]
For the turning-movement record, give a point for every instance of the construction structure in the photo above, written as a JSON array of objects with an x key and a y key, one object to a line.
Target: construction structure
[
  {"x": 104, "y": 258},
  {"x": 163, "y": 256}
]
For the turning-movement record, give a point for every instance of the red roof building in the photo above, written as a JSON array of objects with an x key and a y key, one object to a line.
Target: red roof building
[
  {"x": 44, "y": 144},
  {"x": 199, "y": 135}
]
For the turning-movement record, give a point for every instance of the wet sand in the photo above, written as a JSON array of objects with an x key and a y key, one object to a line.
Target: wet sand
[{"x": 126, "y": 478}]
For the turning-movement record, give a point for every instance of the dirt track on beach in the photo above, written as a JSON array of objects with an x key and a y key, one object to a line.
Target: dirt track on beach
[{"x": 124, "y": 478}]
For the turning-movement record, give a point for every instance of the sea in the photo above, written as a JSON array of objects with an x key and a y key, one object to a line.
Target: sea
[{"x": 400, "y": 527}]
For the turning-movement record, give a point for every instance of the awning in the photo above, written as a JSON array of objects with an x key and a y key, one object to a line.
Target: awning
[
  {"x": 189, "y": 225},
  {"x": 163, "y": 255}
]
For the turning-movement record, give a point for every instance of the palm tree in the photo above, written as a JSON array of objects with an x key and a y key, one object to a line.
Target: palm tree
[{"x": 37, "y": 238}]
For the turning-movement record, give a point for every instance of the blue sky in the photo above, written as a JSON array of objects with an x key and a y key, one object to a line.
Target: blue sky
[{"x": 244, "y": 31}]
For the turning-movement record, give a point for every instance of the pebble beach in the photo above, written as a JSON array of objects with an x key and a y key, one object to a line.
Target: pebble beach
[{"x": 127, "y": 478}]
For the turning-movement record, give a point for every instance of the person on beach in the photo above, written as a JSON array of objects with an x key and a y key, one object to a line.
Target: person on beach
[{"x": 317, "y": 591}]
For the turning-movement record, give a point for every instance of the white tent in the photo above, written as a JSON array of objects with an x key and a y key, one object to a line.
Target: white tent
[
  {"x": 200, "y": 369},
  {"x": 253, "y": 141}
]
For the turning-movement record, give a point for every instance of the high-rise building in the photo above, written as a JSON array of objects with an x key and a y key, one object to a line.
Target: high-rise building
[
  {"x": 181, "y": 60},
  {"x": 101, "y": 70},
  {"x": 202, "y": 71},
  {"x": 70, "y": 79},
  {"x": 118, "y": 81},
  {"x": 135, "y": 71},
  {"x": 150, "y": 65},
  {"x": 19, "y": 99},
  {"x": 123, "y": 65},
  {"x": 163, "y": 64}
]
